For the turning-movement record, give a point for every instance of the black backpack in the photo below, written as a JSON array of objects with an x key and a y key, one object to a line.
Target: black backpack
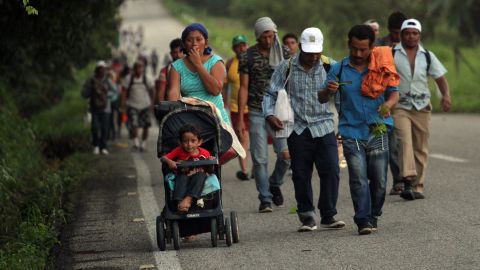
[{"x": 98, "y": 98}]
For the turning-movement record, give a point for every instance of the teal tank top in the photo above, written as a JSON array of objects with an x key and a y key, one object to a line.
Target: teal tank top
[{"x": 191, "y": 84}]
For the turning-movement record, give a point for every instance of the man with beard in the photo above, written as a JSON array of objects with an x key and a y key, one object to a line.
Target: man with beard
[{"x": 256, "y": 66}]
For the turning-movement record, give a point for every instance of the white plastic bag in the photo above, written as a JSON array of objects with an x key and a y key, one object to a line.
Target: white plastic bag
[{"x": 284, "y": 112}]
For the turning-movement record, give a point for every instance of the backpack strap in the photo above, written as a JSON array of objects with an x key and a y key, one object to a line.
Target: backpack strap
[
  {"x": 429, "y": 59},
  {"x": 287, "y": 74},
  {"x": 339, "y": 77},
  {"x": 130, "y": 84}
]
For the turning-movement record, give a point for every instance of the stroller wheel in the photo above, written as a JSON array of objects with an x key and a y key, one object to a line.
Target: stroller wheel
[
  {"x": 228, "y": 232},
  {"x": 221, "y": 228},
  {"x": 234, "y": 220},
  {"x": 214, "y": 232},
  {"x": 168, "y": 232},
  {"x": 175, "y": 235},
  {"x": 160, "y": 233}
]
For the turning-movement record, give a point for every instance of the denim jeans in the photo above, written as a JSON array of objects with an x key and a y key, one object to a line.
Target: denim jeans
[
  {"x": 393, "y": 160},
  {"x": 321, "y": 152},
  {"x": 367, "y": 161},
  {"x": 189, "y": 185},
  {"x": 100, "y": 125},
  {"x": 259, "y": 151}
]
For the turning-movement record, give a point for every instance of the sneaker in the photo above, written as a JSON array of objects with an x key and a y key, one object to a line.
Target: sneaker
[
  {"x": 308, "y": 225},
  {"x": 265, "y": 207},
  {"x": 418, "y": 195},
  {"x": 374, "y": 222},
  {"x": 331, "y": 223},
  {"x": 364, "y": 229},
  {"x": 96, "y": 150},
  {"x": 343, "y": 164},
  {"x": 105, "y": 152},
  {"x": 407, "y": 192},
  {"x": 242, "y": 176},
  {"x": 277, "y": 196}
]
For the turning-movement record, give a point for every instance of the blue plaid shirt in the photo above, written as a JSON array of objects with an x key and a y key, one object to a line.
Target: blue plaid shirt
[{"x": 302, "y": 89}]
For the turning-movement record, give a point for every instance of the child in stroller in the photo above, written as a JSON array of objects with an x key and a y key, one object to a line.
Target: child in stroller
[
  {"x": 173, "y": 224},
  {"x": 189, "y": 181}
]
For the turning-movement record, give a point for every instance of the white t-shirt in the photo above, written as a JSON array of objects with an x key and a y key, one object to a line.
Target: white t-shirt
[{"x": 139, "y": 97}]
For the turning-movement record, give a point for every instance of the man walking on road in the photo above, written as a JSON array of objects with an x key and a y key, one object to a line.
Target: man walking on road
[
  {"x": 361, "y": 114},
  {"x": 256, "y": 67},
  {"x": 232, "y": 83},
  {"x": 412, "y": 114},
  {"x": 313, "y": 140},
  {"x": 395, "y": 21},
  {"x": 96, "y": 90},
  {"x": 162, "y": 86},
  {"x": 138, "y": 98}
]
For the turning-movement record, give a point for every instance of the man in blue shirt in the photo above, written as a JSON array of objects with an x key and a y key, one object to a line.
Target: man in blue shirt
[
  {"x": 312, "y": 140},
  {"x": 366, "y": 151}
]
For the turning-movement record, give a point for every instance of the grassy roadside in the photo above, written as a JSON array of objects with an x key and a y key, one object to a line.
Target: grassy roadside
[
  {"x": 42, "y": 160},
  {"x": 465, "y": 97}
]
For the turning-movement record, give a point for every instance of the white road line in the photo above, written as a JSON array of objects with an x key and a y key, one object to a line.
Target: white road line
[
  {"x": 164, "y": 259},
  {"x": 448, "y": 158}
]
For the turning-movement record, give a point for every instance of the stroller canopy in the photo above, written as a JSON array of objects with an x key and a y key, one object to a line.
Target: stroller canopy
[{"x": 174, "y": 115}]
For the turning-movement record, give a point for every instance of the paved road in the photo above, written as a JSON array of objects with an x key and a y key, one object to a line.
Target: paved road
[{"x": 114, "y": 222}]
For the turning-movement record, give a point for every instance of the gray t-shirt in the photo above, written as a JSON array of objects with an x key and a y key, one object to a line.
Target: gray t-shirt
[{"x": 140, "y": 92}]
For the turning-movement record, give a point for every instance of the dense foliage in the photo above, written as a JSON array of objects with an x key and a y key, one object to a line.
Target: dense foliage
[
  {"x": 44, "y": 51},
  {"x": 339, "y": 16},
  {"x": 39, "y": 53}
]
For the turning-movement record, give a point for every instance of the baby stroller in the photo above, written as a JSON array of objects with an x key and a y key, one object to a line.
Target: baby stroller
[{"x": 172, "y": 224}]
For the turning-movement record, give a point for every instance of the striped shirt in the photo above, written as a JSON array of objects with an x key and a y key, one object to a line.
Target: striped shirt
[{"x": 302, "y": 89}]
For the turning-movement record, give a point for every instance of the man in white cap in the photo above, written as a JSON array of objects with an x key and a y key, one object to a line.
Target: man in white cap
[
  {"x": 412, "y": 114},
  {"x": 313, "y": 140},
  {"x": 256, "y": 66},
  {"x": 96, "y": 90}
]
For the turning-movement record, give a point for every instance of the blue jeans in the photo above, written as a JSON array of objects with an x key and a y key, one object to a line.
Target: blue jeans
[
  {"x": 99, "y": 129},
  {"x": 259, "y": 151},
  {"x": 367, "y": 160},
  {"x": 393, "y": 160},
  {"x": 306, "y": 151}
]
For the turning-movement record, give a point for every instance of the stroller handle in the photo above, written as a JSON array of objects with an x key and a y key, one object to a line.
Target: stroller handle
[{"x": 197, "y": 163}]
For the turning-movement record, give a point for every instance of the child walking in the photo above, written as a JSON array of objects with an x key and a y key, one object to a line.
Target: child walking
[{"x": 188, "y": 182}]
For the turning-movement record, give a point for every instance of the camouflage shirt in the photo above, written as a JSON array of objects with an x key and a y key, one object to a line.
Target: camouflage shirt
[{"x": 259, "y": 75}]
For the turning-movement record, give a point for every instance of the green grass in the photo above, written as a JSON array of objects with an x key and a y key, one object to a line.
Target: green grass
[
  {"x": 465, "y": 97},
  {"x": 33, "y": 190}
]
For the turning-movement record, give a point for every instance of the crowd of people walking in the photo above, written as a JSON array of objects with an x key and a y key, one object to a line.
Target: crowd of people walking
[{"x": 380, "y": 91}]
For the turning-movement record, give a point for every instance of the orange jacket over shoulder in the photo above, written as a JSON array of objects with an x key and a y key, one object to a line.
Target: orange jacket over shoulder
[{"x": 381, "y": 73}]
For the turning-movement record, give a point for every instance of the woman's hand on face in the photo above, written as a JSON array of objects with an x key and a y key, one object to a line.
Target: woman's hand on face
[{"x": 195, "y": 57}]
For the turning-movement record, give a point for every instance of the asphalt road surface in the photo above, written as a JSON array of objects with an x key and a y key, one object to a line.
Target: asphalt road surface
[{"x": 114, "y": 224}]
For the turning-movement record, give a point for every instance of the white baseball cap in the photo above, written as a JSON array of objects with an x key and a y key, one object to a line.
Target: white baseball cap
[
  {"x": 101, "y": 63},
  {"x": 312, "y": 40},
  {"x": 411, "y": 23}
]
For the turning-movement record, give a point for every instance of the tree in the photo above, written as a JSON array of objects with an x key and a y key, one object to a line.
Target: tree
[{"x": 39, "y": 53}]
